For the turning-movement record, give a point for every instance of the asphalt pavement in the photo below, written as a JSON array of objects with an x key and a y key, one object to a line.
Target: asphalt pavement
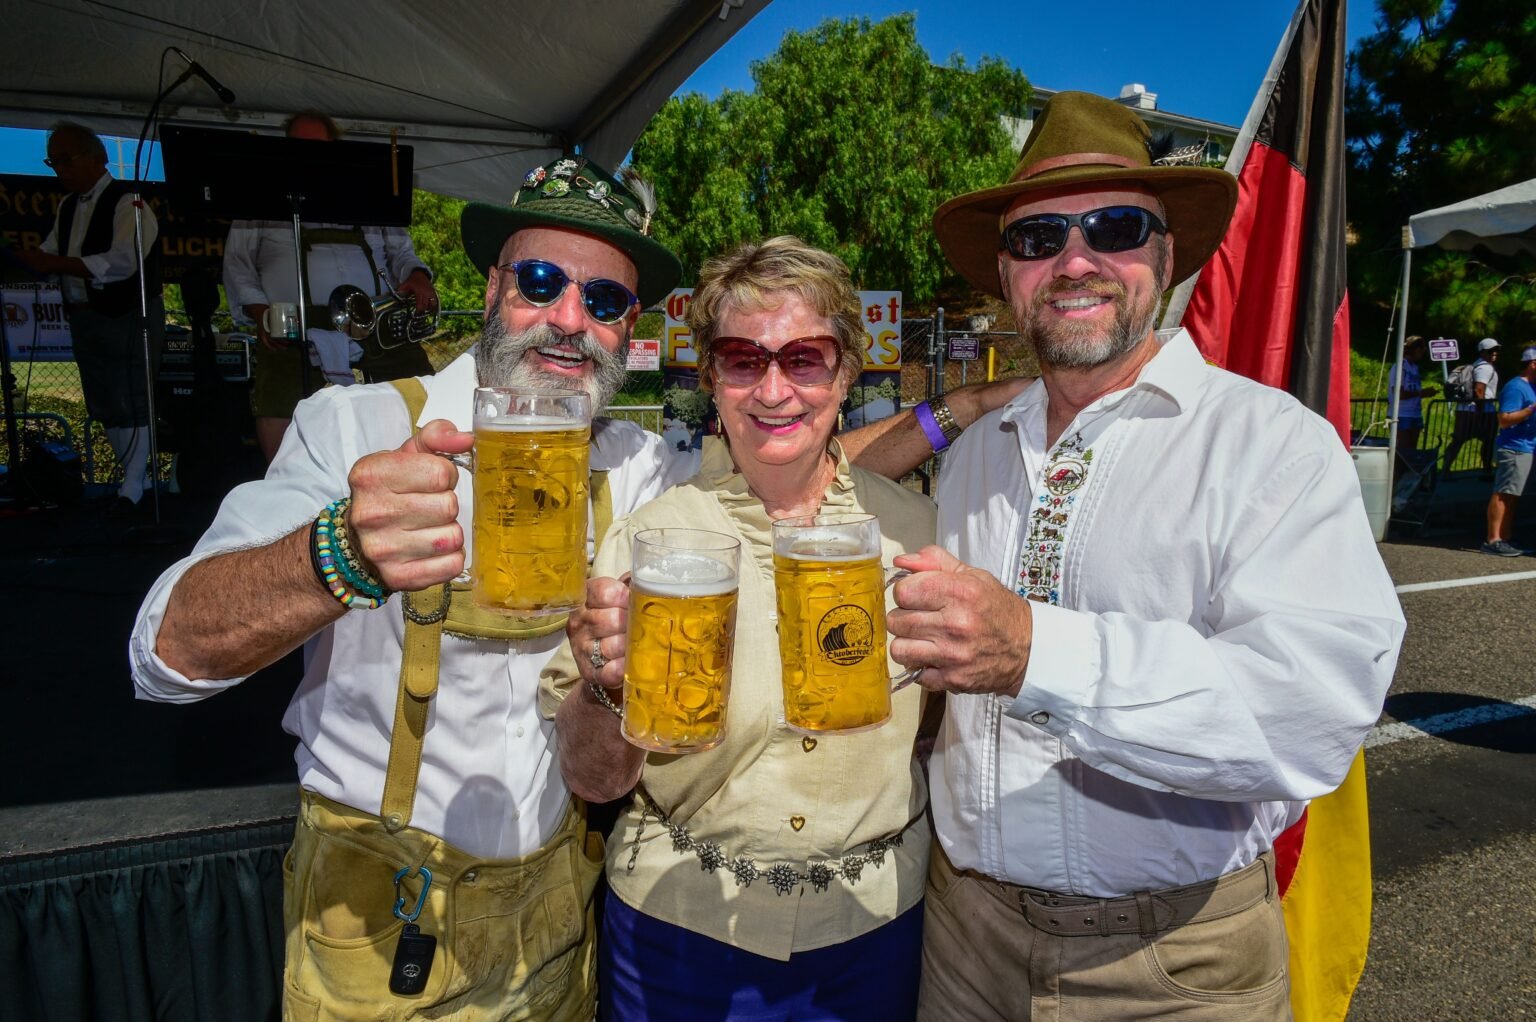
[{"x": 1453, "y": 796}]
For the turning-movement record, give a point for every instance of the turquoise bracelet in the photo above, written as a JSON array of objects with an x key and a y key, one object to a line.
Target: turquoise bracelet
[{"x": 328, "y": 563}]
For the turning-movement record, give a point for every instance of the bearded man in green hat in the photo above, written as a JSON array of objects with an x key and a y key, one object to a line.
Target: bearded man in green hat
[
  {"x": 1156, "y": 607},
  {"x": 440, "y": 864}
]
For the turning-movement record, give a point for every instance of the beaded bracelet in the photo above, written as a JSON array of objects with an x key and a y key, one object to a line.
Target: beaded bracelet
[
  {"x": 324, "y": 558},
  {"x": 349, "y": 564}
]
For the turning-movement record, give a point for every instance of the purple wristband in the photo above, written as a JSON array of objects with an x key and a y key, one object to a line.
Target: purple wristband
[{"x": 930, "y": 426}]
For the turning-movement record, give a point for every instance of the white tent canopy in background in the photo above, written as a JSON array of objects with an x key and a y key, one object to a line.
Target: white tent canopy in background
[
  {"x": 482, "y": 91},
  {"x": 1502, "y": 221}
]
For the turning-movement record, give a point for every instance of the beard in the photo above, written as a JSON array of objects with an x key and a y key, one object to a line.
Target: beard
[
  {"x": 502, "y": 360},
  {"x": 1065, "y": 344}
]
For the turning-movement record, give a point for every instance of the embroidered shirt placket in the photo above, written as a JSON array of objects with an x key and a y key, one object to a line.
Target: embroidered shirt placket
[{"x": 989, "y": 780}]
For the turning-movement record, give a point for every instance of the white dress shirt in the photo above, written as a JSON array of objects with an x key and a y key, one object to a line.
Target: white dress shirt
[
  {"x": 119, "y": 262},
  {"x": 260, "y": 268},
  {"x": 488, "y": 780},
  {"x": 1224, "y": 639}
]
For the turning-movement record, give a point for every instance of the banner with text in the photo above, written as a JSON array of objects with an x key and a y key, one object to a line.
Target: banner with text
[
  {"x": 32, "y": 316},
  {"x": 29, "y": 205}
]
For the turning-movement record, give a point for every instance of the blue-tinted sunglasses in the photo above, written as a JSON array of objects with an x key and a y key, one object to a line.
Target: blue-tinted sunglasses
[{"x": 541, "y": 283}]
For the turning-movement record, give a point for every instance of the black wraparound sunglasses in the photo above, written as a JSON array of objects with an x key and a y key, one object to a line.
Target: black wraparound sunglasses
[
  {"x": 1108, "y": 229},
  {"x": 541, "y": 283}
]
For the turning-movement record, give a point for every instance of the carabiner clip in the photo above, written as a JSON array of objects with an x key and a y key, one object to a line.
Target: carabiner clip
[{"x": 421, "y": 899}]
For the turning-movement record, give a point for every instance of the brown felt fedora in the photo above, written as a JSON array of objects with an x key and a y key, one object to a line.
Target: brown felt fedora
[{"x": 1093, "y": 143}]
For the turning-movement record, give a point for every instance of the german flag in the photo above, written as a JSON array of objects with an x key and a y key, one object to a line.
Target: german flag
[{"x": 1271, "y": 304}]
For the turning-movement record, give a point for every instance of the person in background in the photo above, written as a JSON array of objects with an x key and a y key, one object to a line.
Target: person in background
[
  {"x": 1477, "y": 419},
  {"x": 1514, "y": 446},
  {"x": 92, "y": 248},
  {"x": 259, "y": 271},
  {"x": 1404, "y": 377}
]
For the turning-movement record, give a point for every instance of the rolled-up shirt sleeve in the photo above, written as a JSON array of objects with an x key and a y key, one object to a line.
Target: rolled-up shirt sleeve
[
  {"x": 309, "y": 471},
  {"x": 400, "y": 255},
  {"x": 1269, "y": 694}
]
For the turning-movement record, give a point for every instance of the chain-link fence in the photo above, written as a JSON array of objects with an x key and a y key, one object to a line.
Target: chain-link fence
[{"x": 51, "y": 405}]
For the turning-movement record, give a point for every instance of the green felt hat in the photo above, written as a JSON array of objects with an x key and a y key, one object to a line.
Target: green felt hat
[
  {"x": 576, "y": 194},
  {"x": 1084, "y": 140}
]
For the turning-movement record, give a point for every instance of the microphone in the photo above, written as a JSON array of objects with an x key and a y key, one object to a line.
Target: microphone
[{"x": 225, "y": 96}]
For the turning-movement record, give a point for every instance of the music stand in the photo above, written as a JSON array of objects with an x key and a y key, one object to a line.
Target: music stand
[{"x": 240, "y": 176}]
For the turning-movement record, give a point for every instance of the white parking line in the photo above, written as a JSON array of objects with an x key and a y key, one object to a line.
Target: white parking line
[
  {"x": 1386, "y": 734},
  {"x": 1453, "y": 583}
]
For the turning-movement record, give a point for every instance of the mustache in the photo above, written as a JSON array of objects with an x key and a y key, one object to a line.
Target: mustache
[
  {"x": 511, "y": 346},
  {"x": 501, "y": 359},
  {"x": 1097, "y": 286}
]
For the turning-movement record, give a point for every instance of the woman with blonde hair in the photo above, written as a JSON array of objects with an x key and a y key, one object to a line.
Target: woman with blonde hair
[{"x": 778, "y": 874}]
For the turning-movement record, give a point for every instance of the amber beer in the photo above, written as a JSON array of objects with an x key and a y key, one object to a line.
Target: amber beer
[
  {"x": 530, "y": 491},
  {"x": 830, "y": 590},
  {"x": 682, "y": 633}
]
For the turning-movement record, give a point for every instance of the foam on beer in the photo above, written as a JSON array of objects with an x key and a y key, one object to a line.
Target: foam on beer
[
  {"x": 529, "y": 424},
  {"x": 809, "y": 546},
  {"x": 684, "y": 573}
]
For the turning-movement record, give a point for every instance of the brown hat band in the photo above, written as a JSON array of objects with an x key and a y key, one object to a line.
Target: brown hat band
[{"x": 1078, "y": 160}]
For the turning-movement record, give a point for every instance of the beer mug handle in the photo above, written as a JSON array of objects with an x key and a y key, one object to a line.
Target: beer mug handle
[
  {"x": 466, "y": 461},
  {"x": 911, "y": 674}
]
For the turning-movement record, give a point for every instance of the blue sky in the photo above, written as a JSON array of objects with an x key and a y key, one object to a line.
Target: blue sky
[{"x": 1202, "y": 60}]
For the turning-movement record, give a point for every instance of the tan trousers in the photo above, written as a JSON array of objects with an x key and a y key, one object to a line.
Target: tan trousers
[
  {"x": 1211, "y": 952},
  {"x": 515, "y": 937}
]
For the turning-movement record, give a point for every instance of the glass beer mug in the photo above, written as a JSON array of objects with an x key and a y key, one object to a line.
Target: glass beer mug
[
  {"x": 830, "y": 590},
  {"x": 682, "y": 631},
  {"x": 531, "y": 485}
]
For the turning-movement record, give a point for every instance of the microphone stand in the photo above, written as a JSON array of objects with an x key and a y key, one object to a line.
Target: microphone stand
[{"x": 159, "y": 533}]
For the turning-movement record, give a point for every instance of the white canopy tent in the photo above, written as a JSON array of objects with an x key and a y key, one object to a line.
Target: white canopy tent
[
  {"x": 482, "y": 91},
  {"x": 1502, "y": 221}
]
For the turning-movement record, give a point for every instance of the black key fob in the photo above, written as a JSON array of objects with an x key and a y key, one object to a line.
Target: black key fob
[{"x": 413, "y": 961}]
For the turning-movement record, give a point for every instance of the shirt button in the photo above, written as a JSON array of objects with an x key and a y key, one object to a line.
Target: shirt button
[
  {"x": 1040, "y": 717},
  {"x": 519, "y": 731}
]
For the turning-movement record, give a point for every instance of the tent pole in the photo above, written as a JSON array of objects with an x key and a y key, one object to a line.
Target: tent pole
[{"x": 1396, "y": 397}]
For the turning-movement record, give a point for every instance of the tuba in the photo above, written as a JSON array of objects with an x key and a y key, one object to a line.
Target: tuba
[{"x": 392, "y": 317}]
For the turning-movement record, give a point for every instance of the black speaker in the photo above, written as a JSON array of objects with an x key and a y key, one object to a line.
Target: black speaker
[{"x": 51, "y": 470}]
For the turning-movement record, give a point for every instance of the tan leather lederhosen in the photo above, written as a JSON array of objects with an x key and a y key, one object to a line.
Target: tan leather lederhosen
[{"x": 515, "y": 937}]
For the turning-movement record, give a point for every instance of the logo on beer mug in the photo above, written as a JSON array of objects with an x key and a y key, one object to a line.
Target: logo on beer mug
[
  {"x": 846, "y": 635},
  {"x": 830, "y": 593}
]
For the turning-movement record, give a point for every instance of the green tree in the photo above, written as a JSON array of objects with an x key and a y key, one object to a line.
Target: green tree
[
  {"x": 851, "y": 138},
  {"x": 435, "y": 234},
  {"x": 1441, "y": 107}
]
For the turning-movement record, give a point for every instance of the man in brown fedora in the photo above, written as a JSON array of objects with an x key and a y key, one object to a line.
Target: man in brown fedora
[
  {"x": 1157, "y": 610},
  {"x": 431, "y": 796}
]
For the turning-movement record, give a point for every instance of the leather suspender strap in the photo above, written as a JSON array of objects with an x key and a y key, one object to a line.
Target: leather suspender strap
[
  {"x": 426, "y": 612},
  {"x": 418, "y": 674}
]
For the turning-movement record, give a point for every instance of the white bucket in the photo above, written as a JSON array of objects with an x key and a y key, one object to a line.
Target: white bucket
[{"x": 1373, "y": 465}]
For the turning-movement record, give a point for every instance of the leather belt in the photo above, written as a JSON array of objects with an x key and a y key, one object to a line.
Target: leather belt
[{"x": 1148, "y": 912}]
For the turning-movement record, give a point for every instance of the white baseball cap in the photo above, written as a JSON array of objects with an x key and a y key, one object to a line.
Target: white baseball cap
[
  {"x": 1487, "y": 344},
  {"x": 1528, "y": 355}
]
